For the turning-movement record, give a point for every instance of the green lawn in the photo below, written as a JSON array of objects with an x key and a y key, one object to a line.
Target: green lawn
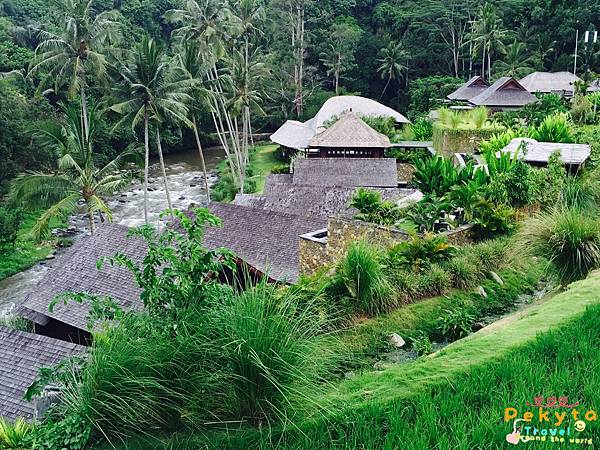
[
  {"x": 262, "y": 162},
  {"x": 455, "y": 398},
  {"x": 27, "y": 252}
]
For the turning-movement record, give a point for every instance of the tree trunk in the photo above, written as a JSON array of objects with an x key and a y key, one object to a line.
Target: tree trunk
[
  {"x": 146, "y": 164},
  {"x": 164, "y": 172},
  {"x": 201, "y": 157},
  {"x": 386, "y": 86},
  {"x": 84, "y": 112},
  {"x": 91, "y": 221}
]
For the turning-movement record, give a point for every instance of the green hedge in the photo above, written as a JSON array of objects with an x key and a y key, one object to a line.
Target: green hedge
[{"x": 448, "y": 141}]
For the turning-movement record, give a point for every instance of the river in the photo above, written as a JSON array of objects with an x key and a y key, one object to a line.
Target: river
[{"x": 186, "y": 186}]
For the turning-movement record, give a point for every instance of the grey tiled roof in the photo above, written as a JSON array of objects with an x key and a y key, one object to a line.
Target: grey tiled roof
[
  {"x": 320, "y": 201},
  {"x": 76, "y": 271},
  {"x": 266, "y": 240},
  {"x": 549, "y": 82},
  {"x": 350, "y": 131},
  {"x": 540, "y": 152},
  {"x": 505, "y": 92},
  {"x": 346, "y": 172},
  {"x": 22, "y": 355},
  {"x": 470, "y": 89}
]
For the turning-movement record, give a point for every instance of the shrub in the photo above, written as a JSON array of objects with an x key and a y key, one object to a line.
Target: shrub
[
  {"x": 428, "y": 212},
  {"x": 487, "y": 255},
  {"x": 418, "y": 253},
  {"x": 435, "y": 175},
  {"x": 580, "y": 193},
  {"x": 555, "y": 128},
  {"x": 372, "y": 209},
  {"x": 464, "y": 272},
  {"x": 69, "y": 433},
  {"x": 582, "y": 110},
  {"x": 14, "y": 435},
  {"x": 568, "y": 238},
  {"x": 421, "y": 344},
  {"x": 478, "y": 117},
  {"x": 422, "y": 129},
  {"x": 11, "y": 220},
  {"x": 281, "y": 168},
  {"x": 435, "y": 281},
  {"x": 269, "y": 343},
  {"x": 362, "y": 275},
  {"x": 498, "y": 141},
  {"x": 405, "y": 284},
  {"x": 493, "y": 220},
  {"x": 456, "y": 323}
]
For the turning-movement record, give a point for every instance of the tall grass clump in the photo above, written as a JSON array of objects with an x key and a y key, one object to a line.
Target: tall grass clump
[
  {"x": 14, "y": 435},
  {"x": 362, "y": 278},
  {"x": 478, "y": 117},
  {"x": 554, "y": 128},
  {"x": 568, "y": 238},
  {"x": 273, "y": 347}
]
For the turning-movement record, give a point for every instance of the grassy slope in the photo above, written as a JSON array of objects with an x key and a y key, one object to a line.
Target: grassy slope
[
  {"x": 484, "y": 372},
  {"x": 27, "y": 252},
  {"x": 264, "y": 159}
]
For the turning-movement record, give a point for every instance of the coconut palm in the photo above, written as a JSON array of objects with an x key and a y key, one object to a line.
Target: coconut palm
[
  {"x": 190, "y": 63},
  {"x": 69, "y": 55},
  {"x": 78, "y": 176},
  {"x": 516, "y": 62},
  {"x": 392, "y": 67},
  {"x": 151, "y": 93},
  {"x": 487, "y": 36}
]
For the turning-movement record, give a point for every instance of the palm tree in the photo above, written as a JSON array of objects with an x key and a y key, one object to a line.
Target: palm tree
[
  {"x": 516, "y": 62},
  {"x": 487, "y": 36},
  {"x": 391, "y": 67},
  {"x": 152, "y": 94},
  {"x": 69, "y": 55},
  {"x": 192, "y": 68},
  {"x": 78, "y": 176}
]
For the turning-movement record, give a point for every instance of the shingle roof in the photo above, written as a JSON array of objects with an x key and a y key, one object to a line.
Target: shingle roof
[
  {"x": 539, "y": 152},
  {"x": 76, "y": 271},
  {"x": 505, "y": 92},
  {"x": 549, "y": 82},
  {"x": 350, "y": 131},
  {"x": 475, "y": 86},
  {"x": 346, "y": 172},
  {"x": 266, "y": 240},
  {"x": 320, "y": 201},
  {"x": 296, "y": 134},
  {"x": 22, "y": 355}
]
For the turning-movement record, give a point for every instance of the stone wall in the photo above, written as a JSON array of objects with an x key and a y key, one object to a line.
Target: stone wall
[{"x": 315, "y": 253}]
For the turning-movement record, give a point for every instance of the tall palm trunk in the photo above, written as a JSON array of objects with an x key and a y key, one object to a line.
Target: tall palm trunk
[
  {"x": 386, "y": 86},
  {"x": 146, "y": 164},
  {"x": 201, "y": 157},
  {"x": 164, "y": 172},
  {"x": 84, "y": 109}
]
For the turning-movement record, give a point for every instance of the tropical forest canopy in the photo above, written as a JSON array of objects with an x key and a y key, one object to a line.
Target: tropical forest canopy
[{"x": 283, "y": 57}]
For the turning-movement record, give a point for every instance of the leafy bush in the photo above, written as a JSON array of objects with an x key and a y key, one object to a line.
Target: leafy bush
[
  {"x": 435, "y": 281},
  {"x": 422, "y": 129},
  {"x": 498, "y": 141},
  {"x": 582, "y": 110},
  {"x": 568, "y": 238},
  {"x": 456, "y": 323},
  {"x": 549, "y": 181},
  {"x": 281, "y": 168},
  {"x": 418, "y": 253},
  {"x": 421, "y": 344},
  {"x": 382, "y": 124},
  {"x": 429, "y": 212},
  {"x": 11, "y": 220},
  {"x": 464, "y": 272},
  {"x": 492, "y": 220},
  {"x": 69, "y": 433},
  {"x": 436, "y": 175},
  {"x": 555, "y": 128},
  {"x": 372, "y": 209},
  {"x": 14, "y": 435},
  {"x": 362, "y": 276}
]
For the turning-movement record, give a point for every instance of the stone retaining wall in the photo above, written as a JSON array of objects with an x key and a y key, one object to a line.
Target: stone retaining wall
[{"x": 318, "y": 252}]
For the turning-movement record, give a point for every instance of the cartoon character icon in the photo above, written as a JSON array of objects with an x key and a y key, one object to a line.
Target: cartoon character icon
[
  {"x": 514, "y": 437},
  {"x": 579, "y": 425}
]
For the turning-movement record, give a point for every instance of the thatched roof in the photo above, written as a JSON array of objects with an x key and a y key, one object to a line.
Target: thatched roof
[
  {"x": 539, "y": 152},
  {"x": 470, "y": 89},
  {"x": 506, "y": 92},
  {"x": 22, "y": 355},
  {"x": 546, "y": 82},
  {"x": 350, "y": 131},
  {"x": 294, "y": 134},
  {"x": 265, "y": 240},
  {"x": 76, "y": 271},
  {"x": 346, "y": 172}
]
